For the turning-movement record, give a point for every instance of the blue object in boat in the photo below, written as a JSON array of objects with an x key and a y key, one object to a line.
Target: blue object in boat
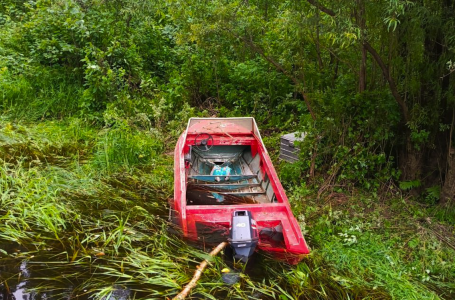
[
  {"x": 221, "y": 171},
  {"x": 218, "y": 197}
]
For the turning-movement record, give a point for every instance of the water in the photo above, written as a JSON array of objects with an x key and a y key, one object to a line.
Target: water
[
  {"x": 22, "y": 271},
  {"x": 73, "y": 269},
  {"x": 39, "y": 275},
  {"x": 49, "y": 269},
  {"x": 115, "y": 242}
]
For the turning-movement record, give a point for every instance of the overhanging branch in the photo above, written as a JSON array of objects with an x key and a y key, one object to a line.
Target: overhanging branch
[
  {"x": 391, "y": 82},
  {"x": 322, "y": 8},
  {"x": 249, "y": 42},
  {"x": 379, "y": 61}
]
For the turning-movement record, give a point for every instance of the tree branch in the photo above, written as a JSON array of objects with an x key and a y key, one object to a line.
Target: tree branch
[
  {"x": 197, "y": 274},
  {"x": 353, "y": 69},
  {"x": 391, "y": 82},
  {"x": 322, "y": 8},
  {"x": 277, "y": 66},
  {"x": 379, "y": 61}
]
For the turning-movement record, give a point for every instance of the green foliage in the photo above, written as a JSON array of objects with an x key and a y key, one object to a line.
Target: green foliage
[
  {"x": 110, "y": 227},
  {"x": 257, "y": 58},
  {"x": 369, "y": 245},
  {"x": 114, "y": 82},
  {"x": 53, "y": 96},
  {"x": 433, "y": 194},
  {"x": 82, "y": 59},
  {"x": 125, "y": 147},
  {"x": 407, "y": 185},
  {"x": 154, "y": 64}
]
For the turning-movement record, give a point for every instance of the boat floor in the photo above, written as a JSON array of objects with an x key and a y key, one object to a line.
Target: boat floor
[
  {"x": 203, "y": 193},
  {"x": 242, "y": 186}
]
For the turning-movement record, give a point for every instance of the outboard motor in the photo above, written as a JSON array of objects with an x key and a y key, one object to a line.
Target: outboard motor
[{"x": 243, "y": 234}]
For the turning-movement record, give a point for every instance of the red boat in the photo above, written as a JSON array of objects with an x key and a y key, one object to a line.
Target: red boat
[{"x": 226, "y": 185}]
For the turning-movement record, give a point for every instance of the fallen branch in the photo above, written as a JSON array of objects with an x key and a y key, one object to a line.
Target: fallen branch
[
  {"x": 198, "y": 273},
  {"x": 443, "y": 239}
]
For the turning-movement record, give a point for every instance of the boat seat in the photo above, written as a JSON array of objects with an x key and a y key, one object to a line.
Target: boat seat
[
  {"x": 241, "y": 194},
  {"x": 212, "y": 178},
  {"x": 226, "y": 185}
]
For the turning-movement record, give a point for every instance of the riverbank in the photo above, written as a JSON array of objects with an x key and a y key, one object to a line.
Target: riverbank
[{"x": 84, "y": 215}]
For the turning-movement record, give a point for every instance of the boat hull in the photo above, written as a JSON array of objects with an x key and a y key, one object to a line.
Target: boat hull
[{"x": 203, "y": 204}]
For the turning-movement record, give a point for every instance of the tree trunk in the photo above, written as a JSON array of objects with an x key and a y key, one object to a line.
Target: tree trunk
[
  {"x": 363, "y": 70},
  {"x": 411, "y": 164},
  {"x": 391, "y": 82},
  {"x": 318, "y": 49},
  {"x": 363, "y": 62},
  {"x": 448, "y": 189}
]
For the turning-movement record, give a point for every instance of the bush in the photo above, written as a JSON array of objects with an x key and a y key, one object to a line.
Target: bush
[{"x": 42, "y": 93}]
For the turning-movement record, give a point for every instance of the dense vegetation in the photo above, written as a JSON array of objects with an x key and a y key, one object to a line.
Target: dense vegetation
[{"x": 93, "y": 95}]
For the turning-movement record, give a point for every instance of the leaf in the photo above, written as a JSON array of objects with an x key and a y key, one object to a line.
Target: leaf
[
  {"x": 407, "y": 185},
  {"x": 414, "y": 243}
]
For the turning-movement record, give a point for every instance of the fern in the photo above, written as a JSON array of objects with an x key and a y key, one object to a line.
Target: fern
[
  {"x": 407, "y": 185},
  {"x": 433, "y": 193}
]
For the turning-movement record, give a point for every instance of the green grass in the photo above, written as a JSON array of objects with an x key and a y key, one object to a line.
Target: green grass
[
  {"x": 379, "y": 246},
  {"x": 88, "y": 208},
  {"x": 125, "y": 147},
  {"x": 55, "y": 93}
]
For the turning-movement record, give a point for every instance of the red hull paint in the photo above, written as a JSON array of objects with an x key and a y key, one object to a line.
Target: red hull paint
[{"x": 219, "y": 216}]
